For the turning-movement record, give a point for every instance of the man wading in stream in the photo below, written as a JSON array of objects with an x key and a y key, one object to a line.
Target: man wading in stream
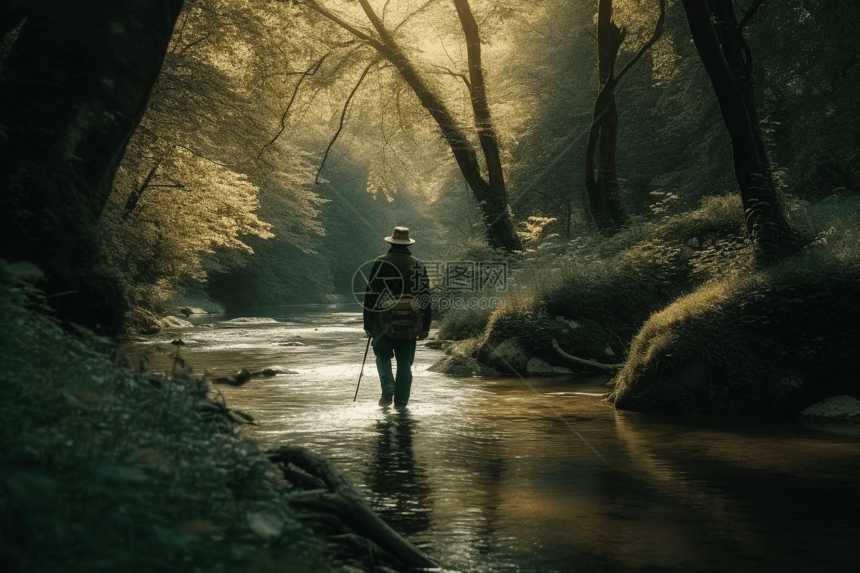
[{"x": 397, "y": 314}]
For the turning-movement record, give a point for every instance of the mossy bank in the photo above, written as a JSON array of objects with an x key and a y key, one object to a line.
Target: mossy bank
[{"x": 690, "y": 318}]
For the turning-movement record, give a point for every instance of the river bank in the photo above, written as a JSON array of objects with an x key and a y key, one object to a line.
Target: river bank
[{"x": 105, "y": 468}]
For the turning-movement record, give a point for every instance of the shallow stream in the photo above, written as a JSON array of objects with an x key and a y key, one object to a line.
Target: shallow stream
[{"x": 541, "y": 475}]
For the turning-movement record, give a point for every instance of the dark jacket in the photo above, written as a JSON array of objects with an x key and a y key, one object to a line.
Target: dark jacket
[{"x": 393, "y": 274}]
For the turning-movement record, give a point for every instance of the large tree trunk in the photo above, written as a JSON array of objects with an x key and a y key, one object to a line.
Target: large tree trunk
[
  {"x": 728, "y": 66},
  {"x": 72, "y": 90},
  {"x": 601, "y": 181},
  {"x": 490, "y": 195},
  {"x": 499, "y": 226},
  {"x": 739, "y": 58}
]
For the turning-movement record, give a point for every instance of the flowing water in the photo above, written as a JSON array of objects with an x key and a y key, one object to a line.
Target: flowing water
[{"x": 502, "y": 474}]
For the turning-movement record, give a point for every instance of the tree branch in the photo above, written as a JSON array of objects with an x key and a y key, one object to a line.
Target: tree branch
[
  {"x": 456, "y": 75},
  {"x": 750, "y": 13},
  {"x": 417, "y": 11},
  {"x": 377, "y": 23},
  {"x": 192, "y": 44},
  {"x": 308, "y": 72},
  {"x": 584, "y": 362},
  {"x": 340, "y": 22},
  {"x": 343, "y": 115},
  {"x": 134, "y": 196},
  {"x": 658, "y": 30}
]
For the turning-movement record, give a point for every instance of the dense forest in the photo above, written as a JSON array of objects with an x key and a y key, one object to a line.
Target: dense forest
[{"x": 673, "y": 186}]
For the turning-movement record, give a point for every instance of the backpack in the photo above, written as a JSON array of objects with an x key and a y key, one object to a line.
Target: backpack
[{"x": 402, "y": 319}]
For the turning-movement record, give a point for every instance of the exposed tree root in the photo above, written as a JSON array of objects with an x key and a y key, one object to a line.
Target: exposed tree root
[
  {"x": 584, "y": 362},
  {"x": 339, "y": 499}
]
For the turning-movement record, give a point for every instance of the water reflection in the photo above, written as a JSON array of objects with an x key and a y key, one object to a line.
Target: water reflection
[{"x": 400, "y": 488}]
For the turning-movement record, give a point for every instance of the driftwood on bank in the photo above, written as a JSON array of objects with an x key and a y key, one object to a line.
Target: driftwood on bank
[
  {"x": 590, "y": 363},
  {"x": 342, "y": 503}
]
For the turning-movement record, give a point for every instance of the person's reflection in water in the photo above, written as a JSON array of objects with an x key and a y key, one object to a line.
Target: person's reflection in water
[{"x": 399, "y": 486}]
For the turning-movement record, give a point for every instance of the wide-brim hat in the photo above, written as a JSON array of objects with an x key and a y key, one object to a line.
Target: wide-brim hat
[{"x": 400, "y": 236}]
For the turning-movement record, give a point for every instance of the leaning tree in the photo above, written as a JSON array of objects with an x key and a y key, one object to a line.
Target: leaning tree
[{"x": 485, "y": 178}]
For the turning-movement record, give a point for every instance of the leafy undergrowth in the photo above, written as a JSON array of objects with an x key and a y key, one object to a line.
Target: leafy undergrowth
[
  {"x": 593, "y": 293},
  {"x": 771, "y": 341},
  {"x": 708, "y": 331},
  {"x": 107, "y": 470}
]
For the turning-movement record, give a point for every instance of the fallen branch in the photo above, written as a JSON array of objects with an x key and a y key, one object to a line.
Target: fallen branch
[
  {"x": 345, "y": 501},
  {"x": 583, "y": 361}
]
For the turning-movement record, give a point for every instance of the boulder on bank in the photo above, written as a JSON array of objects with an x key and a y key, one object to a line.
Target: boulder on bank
[
  {"x": 509, "y": 357},
  {"x": 273, "y": 371},
  {"x": 462, "y": 366},
  {"x": 174, "y": 322},
  {"x": 771, "y": 343},
  {"x": 537, "y": 367},
  {"x": 838, "y": 408},
  {"x": 189, "y": 310},
  {"x": 142, "y": 321},
  {"x": 251, "y": 320},
  {"x": 439, "y": 344}
]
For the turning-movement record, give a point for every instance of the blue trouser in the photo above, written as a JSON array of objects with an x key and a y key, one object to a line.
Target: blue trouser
[{"x": 385, "y": 348}]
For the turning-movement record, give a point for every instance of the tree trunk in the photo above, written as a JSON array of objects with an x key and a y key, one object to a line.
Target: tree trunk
[
  {"x": 500, "y": 225},
  {"x": 72, "y": 90},
  {"x": 770, "y": 231},
  {"x": 601, "y": 182},
  {"x": 739, "y": 58},
  {"x": 602, "y": 186}
]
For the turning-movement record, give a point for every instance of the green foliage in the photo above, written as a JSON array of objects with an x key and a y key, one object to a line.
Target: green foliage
[
  {"x": 764, "y": 341},
  {"x": 463, "y": 324},
  {"x": 609, "y": 287},
  {"x": 188, "y": 192},
  {"x": 805, "y": 57},
  {"x": 104, "y": 469}
]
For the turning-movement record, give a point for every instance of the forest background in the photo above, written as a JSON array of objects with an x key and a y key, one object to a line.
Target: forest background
[{"x": 223, "y": 189}]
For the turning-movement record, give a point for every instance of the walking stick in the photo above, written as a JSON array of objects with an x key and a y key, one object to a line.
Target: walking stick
[{"x": 362, "y": 367}]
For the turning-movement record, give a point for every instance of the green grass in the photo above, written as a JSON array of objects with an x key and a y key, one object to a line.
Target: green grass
[{"x": 105, "y": 469}]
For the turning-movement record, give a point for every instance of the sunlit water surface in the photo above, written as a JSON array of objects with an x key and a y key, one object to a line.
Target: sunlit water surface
[{"x": 502, "y": 475}]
